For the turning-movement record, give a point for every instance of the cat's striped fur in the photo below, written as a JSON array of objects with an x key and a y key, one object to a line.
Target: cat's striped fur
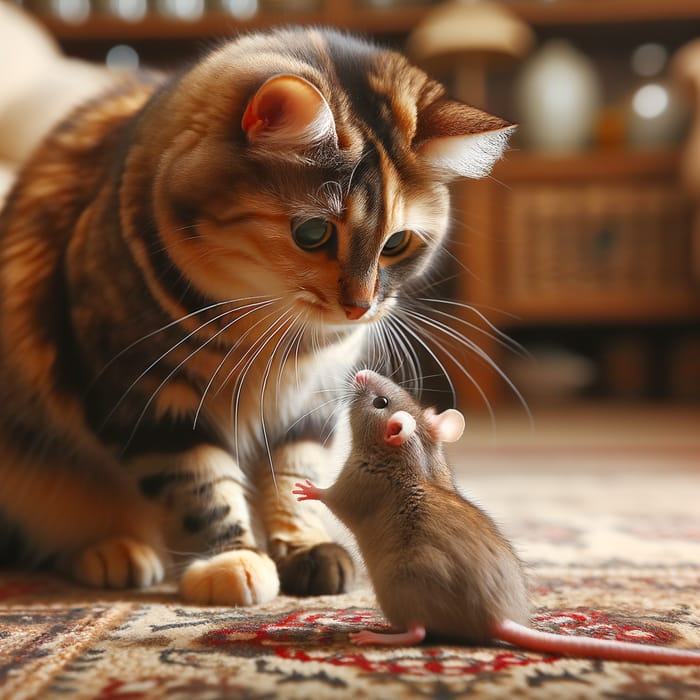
[{"x": 186, "y": 263}]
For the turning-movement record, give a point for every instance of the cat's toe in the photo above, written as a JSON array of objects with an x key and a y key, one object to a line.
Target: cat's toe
[
  {"x": 323, "y": 569},
  {"x": 118, "y": 562},
  {"x": 238, "y": 577}
]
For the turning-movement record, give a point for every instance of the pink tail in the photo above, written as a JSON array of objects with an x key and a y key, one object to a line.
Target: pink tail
[{"x": 585, "y": 647}]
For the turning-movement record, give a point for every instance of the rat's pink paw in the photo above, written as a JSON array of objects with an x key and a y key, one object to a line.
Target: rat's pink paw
[
  {"x": 415, "y": 635},
  {"x": 306, "y": 491},
  {"x": 364, "y": 637}
]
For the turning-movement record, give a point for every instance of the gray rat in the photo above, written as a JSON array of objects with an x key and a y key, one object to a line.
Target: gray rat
[{"x": 438, "y": 564}]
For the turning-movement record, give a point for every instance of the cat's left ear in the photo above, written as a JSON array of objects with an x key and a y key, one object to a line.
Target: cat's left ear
[
  {"x": 460, "y": 140},
  {"x": 288, "y": 112}
]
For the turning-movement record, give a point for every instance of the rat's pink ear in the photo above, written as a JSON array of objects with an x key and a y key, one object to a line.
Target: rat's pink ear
[
  {"x": 288, "y": 112},
  {"x": 399, "y": 428},
  {"x": 447, "y": 426}
]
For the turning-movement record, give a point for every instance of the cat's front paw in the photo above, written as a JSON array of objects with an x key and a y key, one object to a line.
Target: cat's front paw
[
  {"x": 323, "y": 569},
  {"x": 238, "y": 577},
  {"x": 118, "y": 562}
]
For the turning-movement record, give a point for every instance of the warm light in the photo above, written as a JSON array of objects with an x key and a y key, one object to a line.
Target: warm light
[
  {"x": 131, "y": 10},
  {"x": 184, "y": 9},
  {"x": 71, "y": 10},
  {"x": 649, "y": 59},
  {"x": 650, "y": 101},
  {"x": 242, "y": 9},
  {"x": 122, "y": 56}
]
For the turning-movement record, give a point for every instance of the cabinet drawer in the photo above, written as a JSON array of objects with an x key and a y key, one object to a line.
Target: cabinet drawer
[{"x": 613, "y": 240}]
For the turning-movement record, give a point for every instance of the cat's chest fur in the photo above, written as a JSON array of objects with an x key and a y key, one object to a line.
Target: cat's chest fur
[{"x": 277, "y": 397}]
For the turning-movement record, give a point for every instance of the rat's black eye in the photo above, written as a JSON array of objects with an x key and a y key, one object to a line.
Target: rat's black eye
[{"x": 380, "y": 402}]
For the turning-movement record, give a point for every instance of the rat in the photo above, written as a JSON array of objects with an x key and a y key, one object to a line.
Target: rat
[{"x": 439, "y": 565}]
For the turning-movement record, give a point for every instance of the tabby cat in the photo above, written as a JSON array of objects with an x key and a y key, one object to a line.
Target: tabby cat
[{"x": 187, "y": 264}]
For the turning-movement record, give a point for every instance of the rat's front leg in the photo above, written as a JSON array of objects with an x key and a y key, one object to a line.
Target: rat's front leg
[
  {"x": 308, "y": 561},
  {"x": 307, "y": 491}
]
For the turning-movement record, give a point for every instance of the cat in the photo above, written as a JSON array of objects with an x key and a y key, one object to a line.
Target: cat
[{"x": 187, "y": 264}]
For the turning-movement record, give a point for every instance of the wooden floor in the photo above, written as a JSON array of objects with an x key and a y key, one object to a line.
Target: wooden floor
[{"x": 651, "y": 435}]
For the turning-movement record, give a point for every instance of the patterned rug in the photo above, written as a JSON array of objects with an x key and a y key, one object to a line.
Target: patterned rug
[{"x": 614, "y": 555}]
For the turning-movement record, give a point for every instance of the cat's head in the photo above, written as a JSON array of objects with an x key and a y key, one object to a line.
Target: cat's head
[{"x": 310, "y": 167}]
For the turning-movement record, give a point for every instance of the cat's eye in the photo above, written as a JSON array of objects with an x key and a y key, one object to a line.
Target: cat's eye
[
  {"x": 397, "y": 243},
  {"x": 380, "y": 402},
  {"x": 312, "y": 233}
]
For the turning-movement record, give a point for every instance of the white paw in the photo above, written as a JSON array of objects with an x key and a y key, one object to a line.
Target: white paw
[
  {"x": 238, "y": 577},
  {"x": 119, "y": 562}
]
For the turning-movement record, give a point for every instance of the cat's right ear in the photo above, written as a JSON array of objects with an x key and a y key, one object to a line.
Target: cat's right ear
[
  {"x": 460, "y": 140},
  {"x": 288, "y": 113}
]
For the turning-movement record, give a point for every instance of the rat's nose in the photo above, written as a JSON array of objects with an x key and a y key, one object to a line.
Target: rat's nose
[{"x": 361, "y": 377}]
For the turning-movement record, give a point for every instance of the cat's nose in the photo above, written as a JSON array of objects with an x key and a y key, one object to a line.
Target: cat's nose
[{"x": 355, "y": 311}]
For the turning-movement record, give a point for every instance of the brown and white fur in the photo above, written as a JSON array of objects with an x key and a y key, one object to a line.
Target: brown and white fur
[
  {"x": 439, "y": 564},
  {"x": 186, "y": 263}
]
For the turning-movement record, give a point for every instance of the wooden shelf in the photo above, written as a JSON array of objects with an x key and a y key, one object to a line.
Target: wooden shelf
[
  {"x": 637, "y": 309},
  {"x": 524, "y": 166},
  {"x": 615, "y": 264},
  {"x": 213, "y": 24},
  {"x": 351, "y": 15},
  {"x": 581, "y": 12}
]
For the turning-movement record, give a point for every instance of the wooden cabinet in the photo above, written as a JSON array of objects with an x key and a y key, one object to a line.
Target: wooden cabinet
[{"x": 593, "y": 238}]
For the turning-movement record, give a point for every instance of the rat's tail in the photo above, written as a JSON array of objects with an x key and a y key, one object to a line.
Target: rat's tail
[{"x": 586, "y": 647}]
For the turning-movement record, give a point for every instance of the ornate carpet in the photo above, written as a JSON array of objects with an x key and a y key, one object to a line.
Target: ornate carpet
[{"x": 612, "y": 554}]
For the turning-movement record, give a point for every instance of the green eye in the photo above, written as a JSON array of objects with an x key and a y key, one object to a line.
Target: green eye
[
  {"x": 397, "y": 243},
  {"x": 312, "y": 233}
]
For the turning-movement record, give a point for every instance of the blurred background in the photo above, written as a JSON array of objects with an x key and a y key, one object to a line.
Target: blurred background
[{"x": 584, "y": 244}]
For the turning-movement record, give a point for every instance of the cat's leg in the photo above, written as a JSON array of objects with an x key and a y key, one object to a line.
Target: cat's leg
[
  {"x": 204, "y": 493},
  {"x": 308, "y": 561},
  {"x": 90, "y": 523},
  {"x": 119, "y": 561}
]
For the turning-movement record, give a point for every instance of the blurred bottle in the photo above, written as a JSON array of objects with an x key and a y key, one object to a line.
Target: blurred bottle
[
  {"x": 655, "y": 113},
  {"x": 127, "y": 10},
  {"x": 240, "y": 9},
  {"x": 189, "y": 10},
  {"x": 71, "y": 11},
  {"x": 291, "y": 5},
  {"x": 559, "y": 97}
]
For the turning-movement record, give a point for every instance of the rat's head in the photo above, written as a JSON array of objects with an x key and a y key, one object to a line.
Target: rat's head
[{"x": 384, "y": 415}]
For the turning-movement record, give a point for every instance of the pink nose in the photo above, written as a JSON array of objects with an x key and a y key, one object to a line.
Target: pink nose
[
  {"x": 361, "y": 377},
  {"x": 355, "y": 312}
]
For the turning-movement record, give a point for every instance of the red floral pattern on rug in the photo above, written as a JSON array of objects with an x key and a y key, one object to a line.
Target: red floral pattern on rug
[
  {"x": 614, "y": 576},
  {"x": 155, "y": 647}
]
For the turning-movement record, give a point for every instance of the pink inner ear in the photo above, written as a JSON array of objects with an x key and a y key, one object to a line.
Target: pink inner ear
[
  {"x": 287, "y": 109},
  {"x": 272, "y": 106},
  {"x": 266, "y": 112}
]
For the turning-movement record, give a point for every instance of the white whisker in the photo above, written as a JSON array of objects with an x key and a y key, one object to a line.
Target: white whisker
[
  {"x": 228, "y": 353},
  {"x": 184, "y": 339},
  {"x": 263, "y": 389},
  {"x": 495, "y": 333},
  {"x": 171, "y": 324},
  {"x": 181, "y": 363},
  {"x": 462, "y": 340}
]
